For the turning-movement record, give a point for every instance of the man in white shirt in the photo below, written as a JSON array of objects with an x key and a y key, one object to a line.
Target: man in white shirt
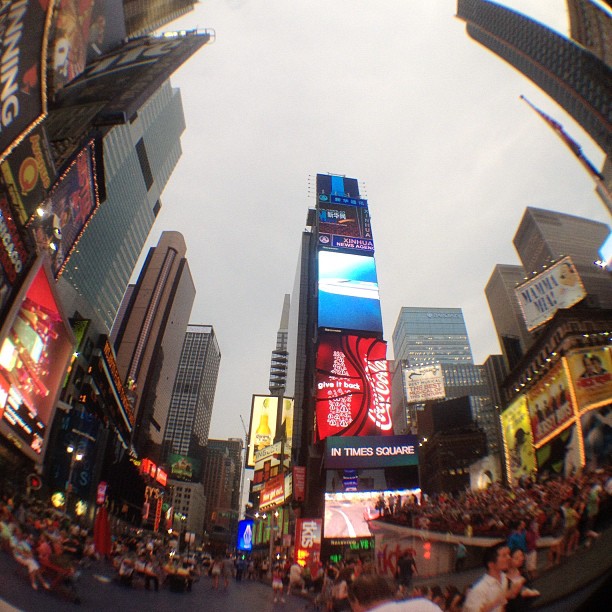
[{"x": 491, "y": 593}]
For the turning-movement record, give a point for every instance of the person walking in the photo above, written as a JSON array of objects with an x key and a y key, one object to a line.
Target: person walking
[
  {"x": 277, "y": 583},
  {"x": 406, "y": 567},
  {"x": 227, "y": 570}
]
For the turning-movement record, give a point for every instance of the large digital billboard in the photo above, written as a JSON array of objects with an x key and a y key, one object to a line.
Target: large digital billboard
[
  {"x": 37, "y": 344},
  {"x": 185, "y": 468},
  {"x": 518, "y": 440},
  {"x": 541, "y": 296},
  {"x": 561, "y": 455},
  {"x": 68, "y": 209},
  {"x": 550, "y": 404},
  {"x": 128, "y": 76},
  {"x": 425, "y": 383},
  {"x": 591, "y": 373},
  {"x": 348, "y": 292},
  {"x": 28, "y": 173},
  {"x": 264, "y": 414},
  {"x": 348, "y": 514},
  {"x": 307, "y": 541},
  {"x": 23, "y": 43},
  {"x": 345, "y": 227},
  {"x": 371, "y": 451},
  {"x": 245, "y": 535},
  {"x": 353, "y": 395}
]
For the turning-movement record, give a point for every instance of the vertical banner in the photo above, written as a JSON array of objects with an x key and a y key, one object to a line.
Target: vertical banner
[
  {"x": 518, "y": 440},
  {"x": 299, "y": 483},
  {"x": 307, "y": 541}
]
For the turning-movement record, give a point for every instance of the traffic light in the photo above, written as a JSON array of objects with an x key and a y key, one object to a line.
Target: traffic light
[{"x": 34, "y": 482}]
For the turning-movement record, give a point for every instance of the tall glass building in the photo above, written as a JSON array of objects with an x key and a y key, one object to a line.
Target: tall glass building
[
  {"x": 193, "y": 393},
  {"x": 139, "y": 158}
]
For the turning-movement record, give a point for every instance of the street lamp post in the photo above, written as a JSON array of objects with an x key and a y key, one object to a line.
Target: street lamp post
[{"x": 75, "y": 455}]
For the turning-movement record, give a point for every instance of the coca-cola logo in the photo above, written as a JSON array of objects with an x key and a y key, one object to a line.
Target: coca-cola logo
[{"x": 377, "y": 375}]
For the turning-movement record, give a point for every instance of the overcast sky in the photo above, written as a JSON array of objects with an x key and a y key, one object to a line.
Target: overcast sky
[{"x": 393, "y": 93}]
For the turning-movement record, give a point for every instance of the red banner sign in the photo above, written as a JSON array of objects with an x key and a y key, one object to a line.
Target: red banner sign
[
  {"x": 299, "y": 483},
  {"x": 307, "y": 541}
]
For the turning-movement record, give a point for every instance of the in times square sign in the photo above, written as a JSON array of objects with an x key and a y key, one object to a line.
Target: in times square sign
[{"x": 353, "y": 396}]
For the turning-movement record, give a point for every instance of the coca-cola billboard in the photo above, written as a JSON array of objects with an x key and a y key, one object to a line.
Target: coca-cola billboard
[{"x": 353, "y": 396}]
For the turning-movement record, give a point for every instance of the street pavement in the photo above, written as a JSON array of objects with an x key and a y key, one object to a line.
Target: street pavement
[{"x": 98, "y": 591}]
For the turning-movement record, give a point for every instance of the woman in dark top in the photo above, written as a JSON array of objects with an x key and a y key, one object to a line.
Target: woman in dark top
[{"x": 527, "y": 594}]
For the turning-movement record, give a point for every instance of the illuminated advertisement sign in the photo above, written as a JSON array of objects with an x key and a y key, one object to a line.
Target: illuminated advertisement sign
[
  {"x": 348, "y": 292},
  {"x": 14, "y": 257},
  {"x": 245, "y": 535},
  {"x": 23, "y": 40},
  {"x": 127, "y": 77},
  {"x": 345, "y": 227},
  {"x": 307, "y": 548},
  {"x": 287, "y": 421},
  {"x": 550, "y": 405},
  {"x": 299, "y": 483},
  {"x": 347, "y": 515},
  {"x": 591, "y": 372},
  {"x": 268, "y": 461},
  {"x": 518, "y": 440},
  {"x": 424, "y": 383},
  {"x": 29, "y": 173},
  {"x": 353, "y": 395},
  {"x": 371, "y": 451},
  {"x": 184, "y": 468},
  {"x": 264, "y": 413},
  {"x": 560, "y": 456},
  {"x": 68, "y": 210},
  {"x": 541, "y": 296},
  {"x": 597, "y": 436},
  {"x": 273, "y": 493},
  {"x": 34, "y": 356}
]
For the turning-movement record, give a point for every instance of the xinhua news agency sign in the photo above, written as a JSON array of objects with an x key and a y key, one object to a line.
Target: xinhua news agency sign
[{"x": 370, "y": 451}]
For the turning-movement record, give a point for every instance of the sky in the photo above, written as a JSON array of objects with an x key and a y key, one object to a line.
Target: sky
[{"x": 393, "y": 93}]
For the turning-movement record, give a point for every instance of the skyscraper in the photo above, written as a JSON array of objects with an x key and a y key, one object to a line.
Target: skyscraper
[
  {"x": 139, "y": 158},
  {"x": 278, "y": 362},
  {"x": 150, "y": 337},
  {"x": 145, "y": 16},
  {"x": 575, "y": 78},
  {"x": 591, "y": 26},
  {"x": 193, "y": 393}
]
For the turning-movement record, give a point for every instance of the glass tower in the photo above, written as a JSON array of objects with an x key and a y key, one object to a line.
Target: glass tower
[{"x": 139, "y": 158}]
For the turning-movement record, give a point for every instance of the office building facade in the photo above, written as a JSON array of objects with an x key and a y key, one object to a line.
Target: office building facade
[
  {"x": 193, "y": 393},
  {"x": 579, "y": 81},
  {"x": 150, "y": 336}
]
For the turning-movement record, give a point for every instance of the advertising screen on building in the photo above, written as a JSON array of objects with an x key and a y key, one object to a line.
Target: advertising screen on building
[
  {"x": 184, "y": 468},
  {"x": 347, "y": 515},
  {"x": 353, "y": 395},
  {"x": 68, "y": 209},
  {"x": 268, "y": 462},
  {"x": 560, "y": 456},
  {"x": 541, "y": 296},
  {"x": 36, "y": 348},
  {"x": 273, "y": 493},
  {"x": 550, "y": 405},
  {"x": 264, "y": 414},
  {"x": 518, "y": 440},
  {"x": 14, "y": 256},
  {"x": 128, "y": 76},
  {"x": 348, "y": 292},
  {"x": 23, "y": 38},
  {"x": 424, "y": 383},
  {"x": 371, "y": 451},
  {"x": 307, "y": 541},
  {"x": 345, "y": 227},
  {"x": 597, "y": 436},
  {"x": 245, "y": 535},
  {"x": 28, "y": 173},
  {"x": 591, "y": 372}
]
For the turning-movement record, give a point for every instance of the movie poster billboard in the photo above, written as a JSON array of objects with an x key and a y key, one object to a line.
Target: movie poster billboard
[
  {"x": 518, "y": 440},
  {"x": 307, "y": 547},
  {"x": 68, "y": 209},
  {"x": 591, "y": 372},
  {"x": 597, "y": 436},
  {"x": 557, "y": 287},
  {"x": 344, "y": 227},
  {"x": 353, "y": 394},
  {"x": 28, "y": 174},
  {"x": 245, "y": 535},
  {"x": 23, "y": 42},
  {"x": 424, "y": 383},
  {"x": 128, "y": 76},
  {"x": 348, "y": 292},
  {"x": 35, "y": 351},
  {"x": 107, "y": 30},
  {"x": 560, "y": 456},
  {"x": 14, "y": 257},
  {"x": 184, "y": 468},
  {"x": 262, "y": 430},
  {"x": 550, "y": 404}
]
